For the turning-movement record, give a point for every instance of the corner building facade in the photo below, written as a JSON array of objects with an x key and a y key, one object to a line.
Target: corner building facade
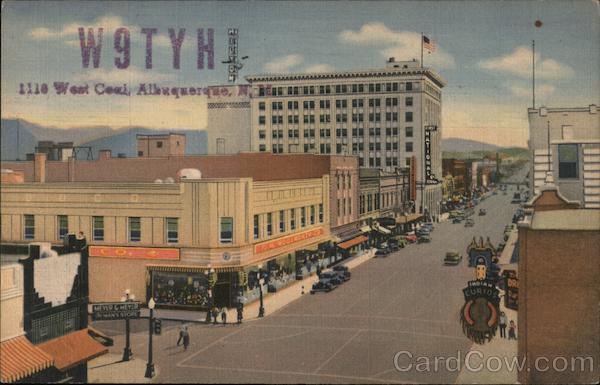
[{"x": 378, "y": 115}]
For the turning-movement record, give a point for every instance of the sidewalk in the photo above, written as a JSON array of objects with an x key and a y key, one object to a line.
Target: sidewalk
[
  {"x": 507, "y": 253},
  {"x": 275, "y": 301},
  {"x": 110, "y": 369}
]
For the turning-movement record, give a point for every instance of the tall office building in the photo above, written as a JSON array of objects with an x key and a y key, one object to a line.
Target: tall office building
[{"x": 379, "y": 115}]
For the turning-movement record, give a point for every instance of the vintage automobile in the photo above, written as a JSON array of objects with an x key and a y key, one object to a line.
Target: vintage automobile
[
  {"x": 322, "y": 285},
  {"x": 424, "y": 238},
  {"x": 452, "y": 258},
  {"x": 482, "y": 212},
  {"x": 393, "y": 244},
  {"x": 457, "y": 220},
  {"x": 500, "y": 247},
  {"x": 332, "y": 276},
  {"x": 381, "y": 253},
  {"x": 343, "y": 271},
  {"x": 411, "y": 238},
  {"x": 469, "y": 222},
  {"x": 429, "y": 225}
]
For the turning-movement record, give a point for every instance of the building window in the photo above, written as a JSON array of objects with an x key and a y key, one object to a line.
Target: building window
[
  {"x": 409, "y": 101},
  {"x": 28, "y": 226},
  {"x": 349, "y": 181},
  {"x": 269, "y": 224},
  {"x": 303, "y": 217},
  {"x": 281, "y": 221},
  {"x": 349, "y": 206},
  {"x": 312, "y": 215},
  {"x": 140, "y": 153},
  {"x": 261, "y": 120},
  {"x": 98, "y": 228},
  {"x": 408, "y": 116},
  {"x": 409, "y": 86},
  {"x": 409, "y": 147},
  {"x": 135, "y": 229},
  {"x": 172, "y": 225},
  {"x": 568, "y": 164},
  {"x": 226, "y": 230},
  {"x": 293, "y": 219},
  {"x": 159, "y": 144},
  {"x": 262, "y": 148},
  {"x": 409, "y": 132},
  {"x": 63, "y": 226},
  {"x": 261, "y": 106},
  {"x": 320, "y": 212},
  {"x": 256, "y": 226}
]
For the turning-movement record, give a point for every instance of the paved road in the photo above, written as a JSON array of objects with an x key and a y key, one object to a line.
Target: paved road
[{"x": 407, "y": 301}]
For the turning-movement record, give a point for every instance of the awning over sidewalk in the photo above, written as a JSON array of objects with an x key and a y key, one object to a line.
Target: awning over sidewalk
[
  {"x": 72, "y": 349},
  {"x": 408, "y": 218},
  {"x": 353, "y": 242},
  {"x": 19, "y": 358},
  {"x": 382, "y": 230},
  {"x": 366, "y": 229},
  {"x": 192, "y": 269}
]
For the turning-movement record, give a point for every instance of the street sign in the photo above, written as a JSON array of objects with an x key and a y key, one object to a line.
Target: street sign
[{"x": 115, "y": 310}]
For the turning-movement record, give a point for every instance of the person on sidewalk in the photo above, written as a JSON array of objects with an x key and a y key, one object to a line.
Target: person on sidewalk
[
  {"x": 240, "y": 313},
  {"x": 319, "y": 271},
  {"x": 182, "y": 331},
  {"x": 215, "y": 315},
  {"x": 186, "y": 339},
  {"x": 511, "y": 330},
  {"x": 502, "y": 325},
  {"x": 224, "y": 315}
]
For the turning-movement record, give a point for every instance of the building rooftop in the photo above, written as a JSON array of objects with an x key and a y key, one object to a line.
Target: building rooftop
[{"x": 578, "y": 219}]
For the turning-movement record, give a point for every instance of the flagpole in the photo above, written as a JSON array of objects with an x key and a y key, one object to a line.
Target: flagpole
[
  {"x": 422, "y": 66},
  {"x": 533, "y": 72}
]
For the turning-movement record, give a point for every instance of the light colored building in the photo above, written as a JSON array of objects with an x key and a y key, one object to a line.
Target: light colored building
[
  {"x": 573, "y": 136},
  {"x": 378, "y": 115},
  {"x": 228, "y": 128},
  {"x": 11, "y": 301},
  {"x": 160, "y": 146}
]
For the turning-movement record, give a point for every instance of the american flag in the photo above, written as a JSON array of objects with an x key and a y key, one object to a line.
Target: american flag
[{"x": 428, "y": 44}]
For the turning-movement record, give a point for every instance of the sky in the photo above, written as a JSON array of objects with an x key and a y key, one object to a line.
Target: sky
[{"x": 483, "y": 51}]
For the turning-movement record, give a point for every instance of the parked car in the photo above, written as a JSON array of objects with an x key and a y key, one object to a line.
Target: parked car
[
  {"x": 452, "y": 258},
  {"x": 423, "y": 231},
  {"x": 457, "y": 220},
  {"x": 482, "y": 212},
  {"x": 332, "y": 276},
  {"x": 469, "y": 222},
  {"x": 343, "y": 271},
  {"x": 322, "y": 285},
  {"x": 429, "y": 225},
  {"x": 381, "y": 253},
  {"x": 424, "y": 238},
  {"x": 411, "y": 238},
  {"x": 393, "y": 245},
  {"x": 500, "y": 247}
]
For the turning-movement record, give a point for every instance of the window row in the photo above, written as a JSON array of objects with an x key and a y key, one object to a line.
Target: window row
[
  {"x": 339, "y": 118},
  {"x": 340, "y": 132},
  {"x": 337, "y": 89},
  {"x": 286, "y": 220}
]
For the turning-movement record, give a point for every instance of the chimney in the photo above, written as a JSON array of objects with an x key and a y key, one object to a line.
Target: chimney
[
  {"x": 104, "y": 154},
  {"x": 39, "y": 168}
]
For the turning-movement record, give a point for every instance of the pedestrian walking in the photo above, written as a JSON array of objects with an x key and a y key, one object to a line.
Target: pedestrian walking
[
  {"x": 502, "y": 325},
  {"x": 512, "y": 327},
  {"x": 224, "y": 315},
  {"x": 319, "y": 271},
  {"x": 240, "y": 311},
  {"x": 186, "y": 339},
  {"x": 182, "y": 330},
  {"x": 215, "y": 314}
]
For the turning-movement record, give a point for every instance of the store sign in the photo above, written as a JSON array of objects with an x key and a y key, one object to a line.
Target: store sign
[
  {"x": 134, "y": 252},
  {"x": 115, "y": 310},
  {"x": 285, "y": 241},
  {"x": 511, "y": 299},
  {"x": 429, "y": 176},
  {"x": 413, "y": 178}
]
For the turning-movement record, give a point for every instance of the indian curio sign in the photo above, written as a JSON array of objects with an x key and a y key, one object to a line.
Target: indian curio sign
[
  {"x": 284, "y": 241},
  {"x": 134, "y": 252}
]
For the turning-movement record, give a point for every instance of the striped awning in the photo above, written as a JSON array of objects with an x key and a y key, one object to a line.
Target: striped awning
[
  {"x": 353, "y": 242},
  {"x": 72, "y": 349},
  {"x": 19, "y": 359},
  {"x": 192, "y": 269}
]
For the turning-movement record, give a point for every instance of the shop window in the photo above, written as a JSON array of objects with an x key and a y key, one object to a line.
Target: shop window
[
  {"x": 320, "y": 212},
  {"x": 269, "y": 224},
  {"x": 98, "y": 228},
  {"x": 281, "y": 221},
  {"x": 226, "y": 232},
  {"x": 28, "y": 226},
  {"x": 159, "y": 144},
  {"x": 568, "y": 164},
  {"x": 63, "y": 226},
  {"x": 293, "y": 219},
  {"x": 256, "y": 226},
  {"x": 135, "y": 229},
  {"x": 312, "y": 215},
  {"x": 180, "y": 289},
  {"x": 172, "y": 227},
  {"x": 303, "y": 217}
]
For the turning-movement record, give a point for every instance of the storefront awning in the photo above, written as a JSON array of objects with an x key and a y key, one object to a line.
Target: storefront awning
[
  {"x": 353, "y": 242},
  {"x": 408, "y": 218},
  {"x": 72, "y": 349},
  {"x": 366, "y": 229},
  {"x": 192, "y": 269},
  {"x": 382, "y": 230},
  {"x": 19, "y": 358}
]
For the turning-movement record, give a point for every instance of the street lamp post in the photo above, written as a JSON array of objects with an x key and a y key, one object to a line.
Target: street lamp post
[
  {"x": 261, "y": 309},
  {"x": 150, "y": 364},
  {"x": 209, "y": 292},
  {"x": 127, "y": 351}
]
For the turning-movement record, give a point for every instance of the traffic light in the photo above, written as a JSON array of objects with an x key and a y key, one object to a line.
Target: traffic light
[{"x": 157, "y": 326}]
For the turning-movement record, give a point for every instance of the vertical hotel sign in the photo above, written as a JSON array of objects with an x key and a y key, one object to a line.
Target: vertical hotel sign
[
  {"x": 233, "y": 53},
  {"x": 429, "y": 176}
]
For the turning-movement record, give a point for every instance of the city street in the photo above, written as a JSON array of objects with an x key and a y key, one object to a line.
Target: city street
[{"x": 408, "y": 301}]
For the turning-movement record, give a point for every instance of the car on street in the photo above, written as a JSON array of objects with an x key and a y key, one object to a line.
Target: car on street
[
  {"x": 469, "y": 222},
  {"x": 411, "y": 238},
  {"x": 381, "y": 253},
  {"x": 393, "y": 244},
  {"x": 424, "y": 238},
  {"x": 482, "y": 212},
  {"x": 332, "y": 277},
  {"x": 429, "y": 225},
  {"x": 457, "y": 220},
  {"x": 423, "y": 231},
  {"x": 321, "y": 285},
  {"x": 342, "y": 270},
  {"x": 452, "y": 258}
]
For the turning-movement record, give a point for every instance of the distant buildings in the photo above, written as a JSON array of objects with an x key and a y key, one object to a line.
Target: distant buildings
[
  {"x": 572, "y": 137},
  {"x": 160, "y": 146}
]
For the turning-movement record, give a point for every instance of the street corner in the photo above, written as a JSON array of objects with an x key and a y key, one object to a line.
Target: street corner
[{"x": 110, "y": 368}]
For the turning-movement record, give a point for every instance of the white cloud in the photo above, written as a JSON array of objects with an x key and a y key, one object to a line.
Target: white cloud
[
  {"x": 519, "y": 63},
  {"x": 402, "y": 45},
  {"x": 542, "y": 90},
  {"x": 130, "y": 75},
  {"x": 284, "y": 64},
  {"x": 317, "y": 68}
]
